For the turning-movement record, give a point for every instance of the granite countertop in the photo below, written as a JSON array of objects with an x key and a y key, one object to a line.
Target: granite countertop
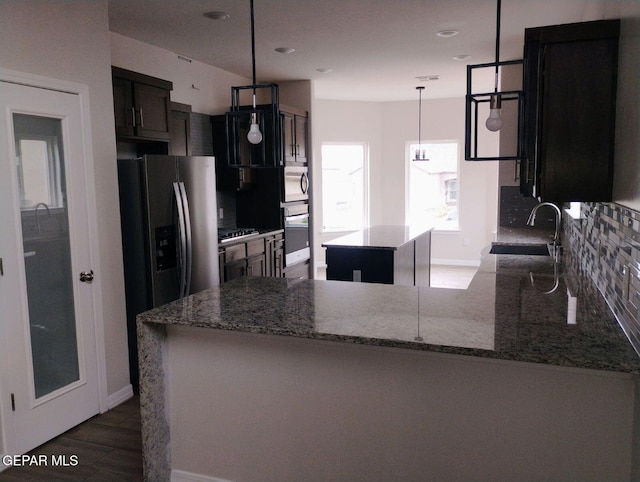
[
  {"x": 385, "y": 237},
  {"x": 522, "y": 308}
]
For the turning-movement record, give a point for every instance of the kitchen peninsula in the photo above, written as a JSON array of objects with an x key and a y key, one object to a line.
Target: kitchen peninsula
[
  {"x": 381, "y": 254},
  {"x": 524, "y": 375}
]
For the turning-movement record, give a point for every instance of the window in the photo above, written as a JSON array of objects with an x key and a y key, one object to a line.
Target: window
[
  {"x": 433, "y": 185},
  {"x": 39, "y": 160},
  {"x": 344, "y": 187}
]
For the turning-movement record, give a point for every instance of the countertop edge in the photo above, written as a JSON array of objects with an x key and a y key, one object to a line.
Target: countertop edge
[{"x": 556, "y": 360}]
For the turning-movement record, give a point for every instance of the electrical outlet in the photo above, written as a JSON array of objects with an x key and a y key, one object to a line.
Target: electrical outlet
[
  {"x": 220, "y": 213},
  {"x": 357, "y": 275}
]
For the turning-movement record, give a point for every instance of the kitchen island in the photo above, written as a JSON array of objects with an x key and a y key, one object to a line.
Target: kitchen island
[
  {"x": 525, "y": 375},
  {"x": 381, "y": 254}
]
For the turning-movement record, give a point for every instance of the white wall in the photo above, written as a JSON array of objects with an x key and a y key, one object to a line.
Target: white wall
[
  {"x": 386, "y": 127},
  {"x": 256, "y": 407},
  {"x": 206, "y": 88},
  {"x": 69, "y": 40}
]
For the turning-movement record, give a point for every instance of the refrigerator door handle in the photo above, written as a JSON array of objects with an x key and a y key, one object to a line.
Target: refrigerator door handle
[
  {"x": 182, "y": 242},
  {"x": 189, "y": 244}
]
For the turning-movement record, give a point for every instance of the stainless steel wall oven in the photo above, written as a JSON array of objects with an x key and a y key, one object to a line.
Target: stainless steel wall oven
[{"x": 296, "y": 233}]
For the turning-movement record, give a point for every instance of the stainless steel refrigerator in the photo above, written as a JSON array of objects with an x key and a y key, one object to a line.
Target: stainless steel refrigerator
[{"x": 169, "y": 233}]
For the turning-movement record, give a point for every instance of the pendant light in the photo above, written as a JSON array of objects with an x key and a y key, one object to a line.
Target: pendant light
[
  {"x": 494, "y": 121},
  {"x": 253, "y": 131},
  {"x": 474, "y": 146},
  {"x": 254, "y": 136},
  {"x": 420, "y": 152}
]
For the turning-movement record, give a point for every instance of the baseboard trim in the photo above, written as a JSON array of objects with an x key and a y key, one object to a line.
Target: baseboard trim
[
  {"x": 184, "y": 476},
  {"x": 456, "y": 262},
  {"x": 119, "y": 397}
]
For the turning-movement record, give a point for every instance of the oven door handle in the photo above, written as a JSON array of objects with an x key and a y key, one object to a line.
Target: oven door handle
[{"x": 297, "y": 217}]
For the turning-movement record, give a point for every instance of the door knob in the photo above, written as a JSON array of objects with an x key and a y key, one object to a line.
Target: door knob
[{"x": 86, "y": 276}]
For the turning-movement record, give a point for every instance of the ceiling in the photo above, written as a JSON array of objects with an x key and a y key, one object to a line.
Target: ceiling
[{"x": 375, "y": 48}]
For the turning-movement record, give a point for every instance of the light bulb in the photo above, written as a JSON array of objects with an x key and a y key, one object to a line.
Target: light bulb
[
  {"x": 254, "y": 136},
  {"x": 494, "y": 121}
]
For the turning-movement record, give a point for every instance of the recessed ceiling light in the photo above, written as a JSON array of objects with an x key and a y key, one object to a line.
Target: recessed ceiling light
[
  {"x": 324, "y": 70},
  {"x": 447, "y": 33},
  {"x": 462, "y": 57},
  {"x": 217, "y": 15},
  {"x": 285, "y": 50}
]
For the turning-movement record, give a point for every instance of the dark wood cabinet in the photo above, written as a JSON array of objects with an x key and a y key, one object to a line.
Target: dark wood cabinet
[
  {"x": 180, "y": 129},
  {"x": 294, "y": 135},
  {"x": 275, "y": 255},
  {"x": 570, "y": 97},
  {"x": 227, "y": 177},
  {"x": 141, "y": 106},
  {"x": 261, "y": 256}
]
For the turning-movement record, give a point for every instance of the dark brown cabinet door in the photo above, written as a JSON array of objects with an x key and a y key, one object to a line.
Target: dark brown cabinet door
[
  {"x": 152, "y": 111},
  {"x": 570, "y": 101},
  {"x": 141, "y": 106},
  {"x": 289, "y": 137},
  {"x": 257, "y": 266},
  {"x": 294, "y": 137},
  {"x": 301, "y": 139},
  {"x": 578, "y": 114},
  {"x": 180, "y": 142},
  {"x": 235, "y": 269},
  {"x": 123, "y": 107},
  {"x": 275, "y": 255}
]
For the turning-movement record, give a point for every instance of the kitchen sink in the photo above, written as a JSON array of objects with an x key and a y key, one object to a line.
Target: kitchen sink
[{"x": 521, "y": 249}]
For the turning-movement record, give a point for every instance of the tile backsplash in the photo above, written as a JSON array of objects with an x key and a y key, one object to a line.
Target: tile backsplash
[{"x": 605, "y": 242}]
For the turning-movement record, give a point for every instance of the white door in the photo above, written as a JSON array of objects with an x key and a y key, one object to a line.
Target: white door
[{"x": 48, "y": 364}]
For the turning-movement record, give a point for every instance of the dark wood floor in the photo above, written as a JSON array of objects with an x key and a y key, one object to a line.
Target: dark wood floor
[{"x": 108, "y": 448}]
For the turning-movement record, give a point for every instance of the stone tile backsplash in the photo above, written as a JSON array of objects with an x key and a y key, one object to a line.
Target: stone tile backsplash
[{"x": 605, "y": 242}]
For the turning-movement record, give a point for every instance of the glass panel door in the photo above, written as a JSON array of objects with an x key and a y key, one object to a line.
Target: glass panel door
[{"x": 47, "y": 252}]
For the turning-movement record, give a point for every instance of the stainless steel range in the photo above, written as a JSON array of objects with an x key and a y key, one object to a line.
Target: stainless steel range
[{"x": 229, "y": 234}]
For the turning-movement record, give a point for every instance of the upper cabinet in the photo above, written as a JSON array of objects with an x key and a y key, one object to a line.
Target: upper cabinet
[
  {"x": 180, "y": 141},
  {"x": 570, "y": 75},
  {"x": 294, "y": 135},
  {"x": 142, "y": 106}
]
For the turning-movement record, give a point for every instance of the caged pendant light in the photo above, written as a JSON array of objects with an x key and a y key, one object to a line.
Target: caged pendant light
[
  {"x": 253, "y": 133},
  {"x": 421, "y": 154},
  {"x": 477, "y": 103}
]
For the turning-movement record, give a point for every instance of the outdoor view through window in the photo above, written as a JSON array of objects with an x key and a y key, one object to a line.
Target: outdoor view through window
[
  {"x": 344, "y": 187},
  {"x": 433, "y": 185}
]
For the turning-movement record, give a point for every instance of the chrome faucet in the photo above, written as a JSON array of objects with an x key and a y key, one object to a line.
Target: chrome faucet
[
  {"x": 532, "y": 220},
  {"x": 35, "y": 215}
]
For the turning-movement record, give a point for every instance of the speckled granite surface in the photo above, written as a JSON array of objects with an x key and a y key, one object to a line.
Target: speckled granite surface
[
  {"x": 521, "y": 308},
  {"x": 380, "y": 237}
]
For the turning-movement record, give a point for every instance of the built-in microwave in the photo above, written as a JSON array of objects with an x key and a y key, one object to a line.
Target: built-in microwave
[
  {"x": 296, "y": 233},
  {"x": 296, "y": 183}
]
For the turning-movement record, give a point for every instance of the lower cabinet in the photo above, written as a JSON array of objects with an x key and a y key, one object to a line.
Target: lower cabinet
[
  {"x": 257, "y": 257},
  {"x": 275, "y": 255}
]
